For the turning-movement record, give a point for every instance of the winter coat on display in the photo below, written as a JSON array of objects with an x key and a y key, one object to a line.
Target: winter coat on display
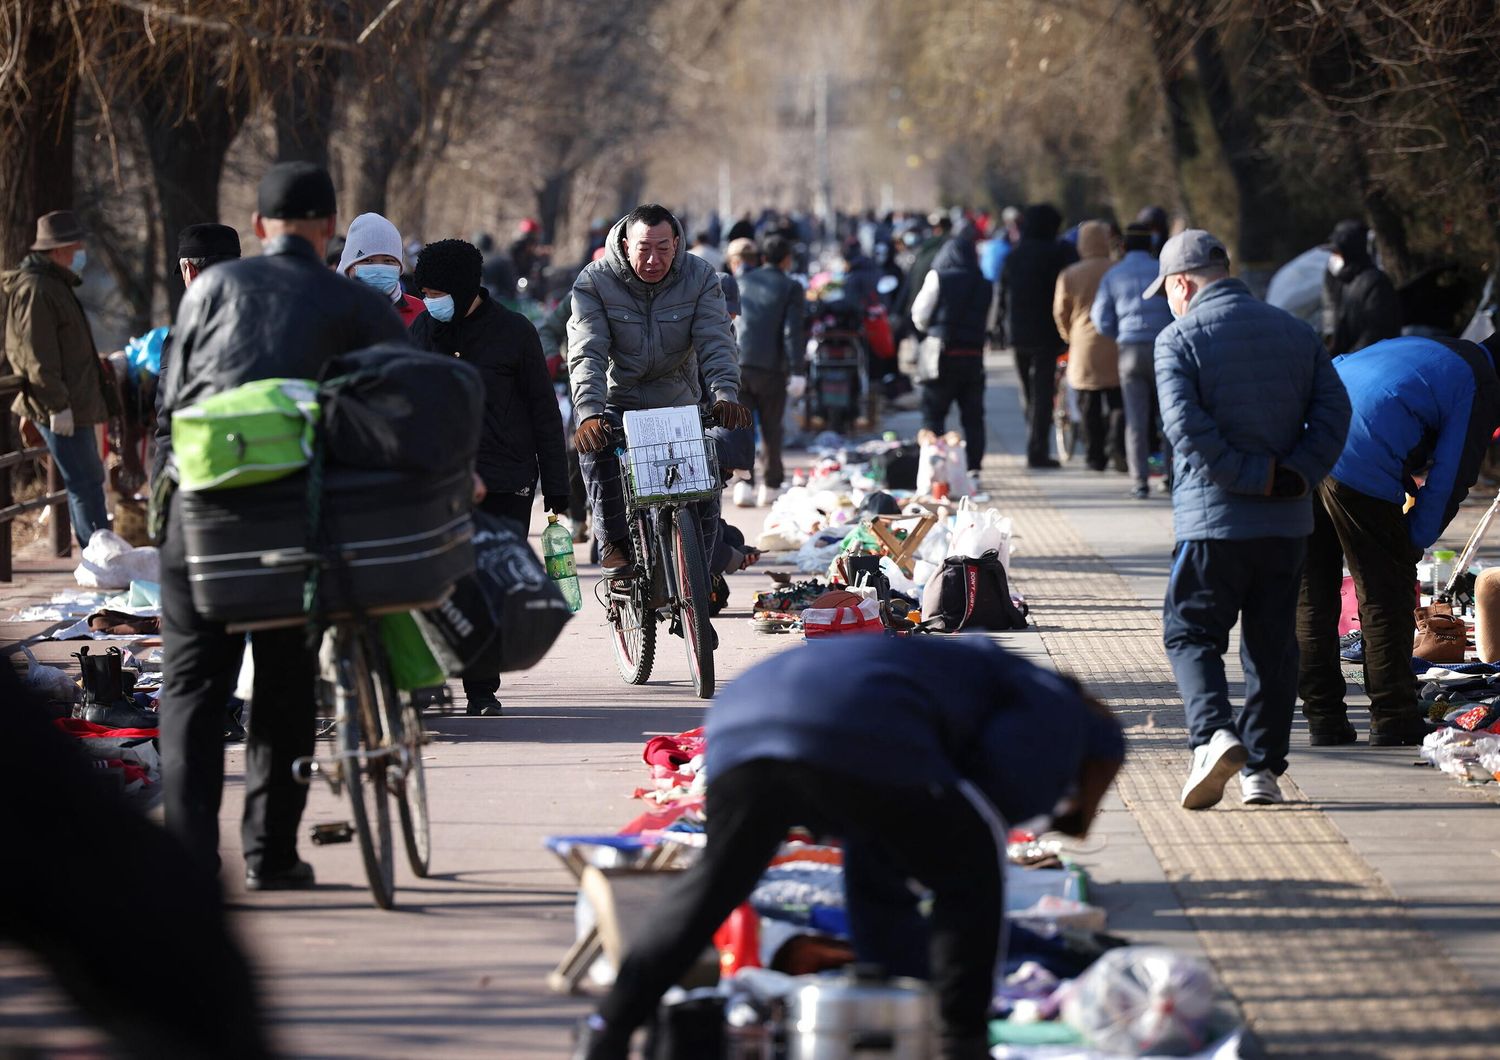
[
  {"x": 49, "y": 344},
  {"x": 634, "y": 345},
  {"x": 1028, "y": 281},
  {"x": 1245, "y": 386},
  {"x": 769, "y": 327},
  {"x": 1120, "y": 312},
  {"x": 522, "y": 437},
  {"x": 1093, "y": 359},
  {"x": 1419, "y": 402}
]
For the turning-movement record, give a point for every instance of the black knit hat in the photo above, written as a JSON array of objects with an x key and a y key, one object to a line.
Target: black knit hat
[
  {"x": 295, "y": 191},
  {"x": 453, "y": 267},
  {"x": 208, "y": 241}
]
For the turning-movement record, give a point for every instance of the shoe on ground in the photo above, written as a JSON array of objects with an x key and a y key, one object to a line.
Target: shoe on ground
[
  {"x": 298, "y": 877},
  {"x": 764, "y": 495},
  {"x": 1401, "y": 734},
  {"x": 1048, "y": 464},
  {"x": 744, "y": 495},
  {"x": 1213, "y": 764},
  {"x": 483, "y": 707},
  {"x": 121, "y": 715},
  {"x": 1140, "y": 493},
  {"x": 1352, "y": 646},
  {"x": 1260, "y": 788},
  {"x": 974, "y": 481},
  {"x": 234, "y": 732},
  {"x": 1332, "y": 736}
]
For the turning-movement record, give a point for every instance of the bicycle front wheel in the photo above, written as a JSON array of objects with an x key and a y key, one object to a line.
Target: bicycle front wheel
[
  {"x": 361, "y": 740},
  {"x": 633, "y": 619},
  {"x": 692, "y": 603}
]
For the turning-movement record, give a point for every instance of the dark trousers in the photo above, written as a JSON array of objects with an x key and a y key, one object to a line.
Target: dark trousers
[
  {"x": 1037, "y": 368},
  {"x": 205, "y": 660},
  {"x": 1142, "y": 410},
  {"x": 517, "y": 508},
  {"x": 1370, "y": 536},
  {"x": 1103, "y": 427},
  {"x": 959, "y": 380},
  {"x": 578, "y": 494},
  {"x": 1213, "y": 584},
  {"x": 891, "y": 834},
  {"x": 764, "y": 393}
]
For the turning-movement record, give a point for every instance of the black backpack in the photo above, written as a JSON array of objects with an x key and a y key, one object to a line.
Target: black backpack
[{"x": 970, "y": 593}]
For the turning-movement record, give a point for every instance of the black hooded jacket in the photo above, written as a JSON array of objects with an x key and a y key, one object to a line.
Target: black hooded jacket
[
  {"x": 963, "y": 302},
  {"x": 1028, "y": 280},
  {"x": 522, "y": 435},
  {"x": 1360, "y": 305}
]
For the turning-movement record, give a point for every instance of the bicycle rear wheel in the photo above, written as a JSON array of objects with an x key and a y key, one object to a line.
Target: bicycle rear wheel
[
  {"x": 364, "y": 766},
  {"x": 405, "y": 774},
  {"x": 692, "y": 603}
]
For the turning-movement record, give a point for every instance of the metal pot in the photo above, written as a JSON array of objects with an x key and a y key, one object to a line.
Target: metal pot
[{"x": 861, "y": 1016}]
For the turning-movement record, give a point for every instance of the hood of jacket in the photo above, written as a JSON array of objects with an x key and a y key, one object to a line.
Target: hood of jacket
[
  {"x": 36, "y": 264},
  {"x": 619, "y": 264},
  {"x": 957, "y": 254},
  {"x": 1093, "y": 239},
  {"x": 1041, "y": 221}
]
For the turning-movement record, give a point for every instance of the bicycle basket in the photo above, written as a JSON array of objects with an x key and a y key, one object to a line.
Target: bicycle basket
[{"x": 675, "y": 472}]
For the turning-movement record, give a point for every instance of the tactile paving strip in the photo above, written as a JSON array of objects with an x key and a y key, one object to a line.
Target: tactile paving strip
[{"x": 1321, "y": 957}]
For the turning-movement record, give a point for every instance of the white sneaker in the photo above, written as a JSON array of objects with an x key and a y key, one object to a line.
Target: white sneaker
[
  {"x": 744, "y": 495},
  {"x": 1213, "y": 764},
  {"x": 1260, "y": 788},
  {"x": 762, "y": 496}
]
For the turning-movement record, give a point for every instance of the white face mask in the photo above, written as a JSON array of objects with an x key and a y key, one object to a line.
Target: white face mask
[{"x": 1335, "y": 263}]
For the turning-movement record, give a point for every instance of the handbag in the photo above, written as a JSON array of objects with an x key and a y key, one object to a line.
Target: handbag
[{"x": 970, "y": 593}]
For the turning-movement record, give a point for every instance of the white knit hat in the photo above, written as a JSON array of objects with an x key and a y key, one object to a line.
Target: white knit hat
[{"x": 369, "y": 235}]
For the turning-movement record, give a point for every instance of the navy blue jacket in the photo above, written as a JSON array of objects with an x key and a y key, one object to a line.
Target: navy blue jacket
[
  {"x": 1245, "y": 386},
  {"x": 1417, "y": 402},
  {"x": 914, "y": 712},
  {"x": 1119, "y": 312}
]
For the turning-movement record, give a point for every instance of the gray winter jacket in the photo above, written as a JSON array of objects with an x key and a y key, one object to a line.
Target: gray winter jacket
[{"x": 634, "y": 345}]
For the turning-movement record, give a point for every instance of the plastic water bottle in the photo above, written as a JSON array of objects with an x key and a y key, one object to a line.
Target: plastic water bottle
[
  {"x": 557, "y": 553},
  {"x": 1442, "y": 568}
]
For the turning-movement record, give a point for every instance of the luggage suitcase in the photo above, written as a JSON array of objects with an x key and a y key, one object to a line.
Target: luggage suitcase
[{"x": 400, "y": 542}]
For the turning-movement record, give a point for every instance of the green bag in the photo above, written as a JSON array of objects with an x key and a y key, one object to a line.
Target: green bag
[
  {"x": 254, "y": 433},
  {"x": 412, "y": 664}
]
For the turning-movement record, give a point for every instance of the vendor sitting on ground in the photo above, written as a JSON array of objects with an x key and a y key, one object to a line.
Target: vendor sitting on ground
[{"x": 913, "y": 752}]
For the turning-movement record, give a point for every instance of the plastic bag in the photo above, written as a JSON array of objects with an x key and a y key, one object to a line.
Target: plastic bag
[
  {"x": 1142, "y": 999},
  {"x": 109, "y": 562},
  {"x": 977, "y": 531},
  {"x": 942, "y": 467},
  {"x": 49, "y": 682},
  {"x": 818, "y": 551}
]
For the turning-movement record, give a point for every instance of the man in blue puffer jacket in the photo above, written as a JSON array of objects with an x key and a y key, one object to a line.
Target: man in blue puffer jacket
[
  {"x": 1419, "y": 403},
  {"x": 1256, "y": 416}
]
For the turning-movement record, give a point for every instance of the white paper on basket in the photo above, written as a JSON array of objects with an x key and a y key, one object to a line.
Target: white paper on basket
[{"x": 682, "y": 429}]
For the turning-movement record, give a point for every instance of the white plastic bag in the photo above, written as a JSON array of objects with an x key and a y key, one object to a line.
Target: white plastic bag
[
  {"x": 1142, "y": 1000},
  {"x": 980, "y": 530},
  {"x": 943, "y": 461},
  {"x": 109, "y": 562},
  {"x": 49, "y": 682}
]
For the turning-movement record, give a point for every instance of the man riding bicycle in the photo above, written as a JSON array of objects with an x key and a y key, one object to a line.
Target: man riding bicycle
[{"x": 646, "y": 320}]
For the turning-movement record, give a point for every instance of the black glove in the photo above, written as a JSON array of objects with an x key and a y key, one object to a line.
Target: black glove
[
  {"x": 732, "y": 416},
  {"x": 1287, "y": 483},
  {"x": 555, "y": 505},
  {"x": 592, "y": 435}
]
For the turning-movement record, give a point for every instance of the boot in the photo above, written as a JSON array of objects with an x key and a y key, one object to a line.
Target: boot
[
  {"x": 106, "y": 693},
  {"x": 1441, "y": 636}
]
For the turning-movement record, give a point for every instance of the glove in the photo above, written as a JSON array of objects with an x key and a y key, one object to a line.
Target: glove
[
  {"x": 61, "y": 423},
  {"x": 732, "y": 416},
  {"x": 796, "y": 386},
  {"x": 592, "y": 435},
  {"x": 480, "y": 491},
  {"x": 1287, "y": 483},
  {"x": 555, "y": 505}
]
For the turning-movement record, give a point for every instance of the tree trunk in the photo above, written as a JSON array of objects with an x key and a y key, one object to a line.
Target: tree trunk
[
  {"x": 304, "y": 108},
  {"x": 552, "y": 201},
  {"x": 36, "y": 127}
]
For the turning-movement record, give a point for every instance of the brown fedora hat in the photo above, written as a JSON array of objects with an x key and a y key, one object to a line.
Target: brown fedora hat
[{"x": 60, "y": 228}]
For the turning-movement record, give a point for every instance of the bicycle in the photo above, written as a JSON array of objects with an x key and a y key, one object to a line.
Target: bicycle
[
  {"x": 1066, "y": 414},
  {"x": 669, "y": 582}
]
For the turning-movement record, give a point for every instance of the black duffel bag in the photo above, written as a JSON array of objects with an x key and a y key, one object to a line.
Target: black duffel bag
[
  {"x": 505, "y": 616},
  {"x": 397, "y": 408},
  {"x": 970, "y": 593}
]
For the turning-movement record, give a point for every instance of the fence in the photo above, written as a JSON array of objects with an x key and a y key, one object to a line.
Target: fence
[{"x": 14, "y": 453}]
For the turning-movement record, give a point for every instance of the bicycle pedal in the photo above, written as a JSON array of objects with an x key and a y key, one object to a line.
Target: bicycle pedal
[{"x": 337, "y": 832}]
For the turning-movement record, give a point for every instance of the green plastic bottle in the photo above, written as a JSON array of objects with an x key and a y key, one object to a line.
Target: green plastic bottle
[{"x": 557, "y": 553}]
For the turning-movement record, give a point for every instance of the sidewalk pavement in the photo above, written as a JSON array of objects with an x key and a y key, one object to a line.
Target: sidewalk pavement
[{"x": 1355, "y": 920}]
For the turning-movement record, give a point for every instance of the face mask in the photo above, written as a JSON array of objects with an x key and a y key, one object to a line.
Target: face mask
[
  {"x": 440, "y": 308},
  {"x": 1335, "y": 263},
  {"x": 385, "y": 278},
  {"x": 80, "y": 258}
]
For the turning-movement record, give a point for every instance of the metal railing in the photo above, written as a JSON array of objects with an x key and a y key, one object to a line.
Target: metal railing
[{"x": 55, "y": 498}]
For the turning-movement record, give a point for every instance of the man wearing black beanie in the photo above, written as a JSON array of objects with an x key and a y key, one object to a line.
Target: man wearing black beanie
[
  {"x": 281, "y": 315},
  {"x": 523, "y": 428}
]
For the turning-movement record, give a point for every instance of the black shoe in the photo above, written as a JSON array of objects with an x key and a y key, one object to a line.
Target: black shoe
[
  {"x": 121, "y": 715},
  {"x": 1333, "y": 737},
  {"x": 1140, "y": 493},
  {"x": 298, "y": 877},
  {"x": 234, "y": 732},
  {"x": 1402, "y": 734},
  {"x": 483, "y": 707},
  {"x": 1048, "y": 464}
]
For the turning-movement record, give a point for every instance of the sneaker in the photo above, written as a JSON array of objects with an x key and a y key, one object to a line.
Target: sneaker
[
  {"x": 1352, "y": 646},
  {"x": 744, "y": 495},
  {"x": 974, "y": 484},
  {"x": 1260, "y": 788},
  {"x": 1140, "y": 493},
  {"x": 483, "y": 707},
  {"x": 764, "y": 496},
  {"x": 1213, "y": 764},
  {"x": 297, "y": 877}
]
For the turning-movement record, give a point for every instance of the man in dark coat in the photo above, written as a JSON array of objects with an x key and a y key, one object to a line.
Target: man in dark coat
[
  {"x": 1023, "y": 317},
  {"x": 523, "y": 429},
  {"x": 769, "y": 330},
  {"x": 1360, "y": 305},
  {"x": 282, "y": 315}
]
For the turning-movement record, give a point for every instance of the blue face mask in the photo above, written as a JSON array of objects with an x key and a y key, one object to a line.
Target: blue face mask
[
  {"x": 386, "y": 278},
  {"x": 80, "y": 258},
  {"x": 440, "y": 308}
]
